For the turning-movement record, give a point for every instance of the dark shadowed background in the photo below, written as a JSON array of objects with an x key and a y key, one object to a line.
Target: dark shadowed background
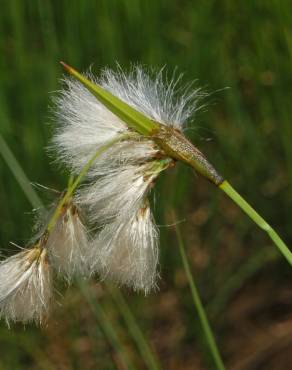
[{"x": 241, "y": 53}]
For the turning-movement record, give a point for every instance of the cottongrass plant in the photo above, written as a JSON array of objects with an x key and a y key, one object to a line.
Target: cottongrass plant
[
  {"x": 120, "y": 167},
  {"x": 116, "y": 134},
  {"x": 115, "y": 195}
]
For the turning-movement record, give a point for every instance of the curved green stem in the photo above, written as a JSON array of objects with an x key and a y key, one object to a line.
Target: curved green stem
[
  {"x": 73, "y": 184},
  {"x": 138, "y": 335},
  {"x": 108, "y": 328},
  {"x": 242, "y": 203},
  {"x": 199, "y": 306}
]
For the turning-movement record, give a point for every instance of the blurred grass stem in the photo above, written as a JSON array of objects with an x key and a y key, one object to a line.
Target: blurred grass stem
[
  {"x": 106, "y": 325},
  {"x": 142, "y": 343},
  {"x": 199, "y": 306},
  {"x": 19, "y": 174}
]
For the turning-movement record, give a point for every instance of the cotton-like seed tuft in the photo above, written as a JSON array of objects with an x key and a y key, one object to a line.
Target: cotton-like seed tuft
[
  {"x": 153, "y": 94},
  {"x": 121, "y": 190},
  {"x": 68, "y": 245},
  {"x": 25, "y": 286},
  {"x": 126, "y": 251},
  {"x": 84, "y": 125}
]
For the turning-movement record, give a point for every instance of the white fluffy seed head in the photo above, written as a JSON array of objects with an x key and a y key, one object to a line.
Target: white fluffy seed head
[
  {"x": 119, "y": 180},
  {"x": 68, "y": 245},
  {"x": 125, "y": 247},
  {"x": 84, "y": 124},
  {"x": 126, "y": 251},
  {"x": 25, "y": 286},
  {"x": 134, "y": 151},
  {"x": 120, "y": 191},
  {"x": 152, "y": 93}
]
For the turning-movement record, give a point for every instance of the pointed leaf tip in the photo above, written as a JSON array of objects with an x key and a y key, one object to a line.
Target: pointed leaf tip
[{"x": 67, "y": 68}]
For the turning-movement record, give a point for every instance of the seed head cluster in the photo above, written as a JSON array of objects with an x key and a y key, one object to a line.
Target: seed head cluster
[{"x": 120, "y": 241}]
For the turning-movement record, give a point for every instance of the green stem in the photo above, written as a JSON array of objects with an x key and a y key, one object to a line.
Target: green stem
[
  {"x": 135, "y": 330},
  {"x": 237, "y": 198},
  {"x": 75, "y": 183},
  {"x": 199, "y": 306},
  {"x": 107, "y": 327}
]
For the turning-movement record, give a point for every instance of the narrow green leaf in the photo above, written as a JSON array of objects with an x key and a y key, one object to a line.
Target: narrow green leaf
[
  {"x": 138, "y": 335},
  {"x": 19, "y": 174},
  {"x": 210, "y": 338},
  {"x": 129, "y": 115},
  {"x": 107, "y": 327}
]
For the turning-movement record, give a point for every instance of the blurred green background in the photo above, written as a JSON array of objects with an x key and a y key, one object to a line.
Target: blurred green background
[{"x": 241, "y": 53}]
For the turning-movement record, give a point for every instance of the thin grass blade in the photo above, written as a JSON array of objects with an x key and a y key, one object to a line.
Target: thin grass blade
[
  {"x": 106, "y": 326},
  {"x": 199, "y": 306},
  {"x": 19, "y": 174},
  {"x": 142, "y": 343}
]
